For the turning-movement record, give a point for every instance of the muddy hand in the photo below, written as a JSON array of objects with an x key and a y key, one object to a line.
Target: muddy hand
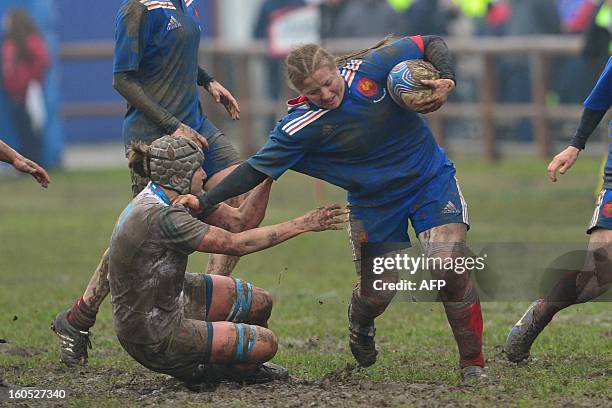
[
  {"x": 189, "y": 201},
  {"x": 26, "y": 165},
  {"x": 224, "y": 97},
  {"x": 441, "y": 88},
  {"x": 185, "y": 131},
  {"x": 330, "y": 217}
]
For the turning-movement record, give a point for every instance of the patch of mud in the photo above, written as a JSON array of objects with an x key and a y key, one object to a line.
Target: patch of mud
[{"x": 343, "y": 387}]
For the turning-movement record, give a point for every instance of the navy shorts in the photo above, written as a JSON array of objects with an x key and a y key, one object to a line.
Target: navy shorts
[
  {"x": 602, "y": 217},
  {"x": 221, "y": 154},
  {"x": 438, "y": 203}
]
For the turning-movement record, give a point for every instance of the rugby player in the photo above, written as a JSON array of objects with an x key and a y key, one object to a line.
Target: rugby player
[
  {"x": 156, "y": 70},
  {"x": 595, "y": 277},
  {"x": 195, "y": 327},
  {"x": 345, "y": 129}
]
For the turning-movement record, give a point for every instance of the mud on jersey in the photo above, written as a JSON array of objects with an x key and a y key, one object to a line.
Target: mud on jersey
[
  {"x": 148, "y": 258},
  {"x": 159, "y": 41}
]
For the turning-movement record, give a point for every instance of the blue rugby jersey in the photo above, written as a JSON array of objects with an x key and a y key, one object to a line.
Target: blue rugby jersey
[
  {"x": 368, "y": 146},
  {"x": 600, "y": 99},
  {"x": 159, "y": 40}
]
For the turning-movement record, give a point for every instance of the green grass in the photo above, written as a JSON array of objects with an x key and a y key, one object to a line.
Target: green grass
[{"x": 52, "y": 239}]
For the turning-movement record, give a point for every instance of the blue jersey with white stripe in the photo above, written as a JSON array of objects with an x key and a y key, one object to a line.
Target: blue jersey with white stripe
[
  {"x": 600, "y": 99},
  {"x": 368, "y": 146},
  {"x": 159, "y": 41}
]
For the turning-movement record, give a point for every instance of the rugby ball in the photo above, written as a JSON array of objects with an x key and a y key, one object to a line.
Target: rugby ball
[{"x": 404, "y": 82}]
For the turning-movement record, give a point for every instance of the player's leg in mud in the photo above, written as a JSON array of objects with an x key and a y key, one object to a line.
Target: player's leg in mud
[
  {"x": 72, "y": 325},
  {"x": 366, "y": 303},
  {"x": 238, "y": 351},
  {"x": 198, "y": 351},
  {"x": 574, "y": 287},
  {"x": 220, "y": 298},
  {"x": 221, "y": 160},
  {"x": 461, "y": 302}
]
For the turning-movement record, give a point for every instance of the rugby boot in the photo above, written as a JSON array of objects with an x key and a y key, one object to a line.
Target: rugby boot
[
  {"x": 266, "y": 373},
  {"x": 471, "y": 374},
  {"x": 361, "y": 341},
  {"x": 523, "y": 334},
  {"x": 214, "y": 373},
  {"x": 73, "y": 342}
]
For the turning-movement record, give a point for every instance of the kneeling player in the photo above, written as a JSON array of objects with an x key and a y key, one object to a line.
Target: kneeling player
[
  {"x": 595, "y": 277},
  {"x": 194, "y": 327}
]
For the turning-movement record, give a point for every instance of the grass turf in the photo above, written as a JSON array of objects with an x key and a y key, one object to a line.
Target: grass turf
[{"x": 52, "y": 239}]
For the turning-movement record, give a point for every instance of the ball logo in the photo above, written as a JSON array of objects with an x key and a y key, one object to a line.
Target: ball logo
[
  {"x": 367, "y": 87},
  {"x": 607, "y": 210}
]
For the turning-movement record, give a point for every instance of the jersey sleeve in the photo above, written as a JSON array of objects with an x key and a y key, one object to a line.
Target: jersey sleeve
[
  {"x": 132, "y": 33},
  {"x": 600, "y": 98},
  {"x": 280, "y": 153},
  {"x": 405, "y": 48},
  {"x": 179, "y": 231}
]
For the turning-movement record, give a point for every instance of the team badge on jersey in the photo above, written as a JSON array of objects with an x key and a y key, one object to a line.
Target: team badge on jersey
[
  {"x": 173, "y": 24},
  {"x": 367, "y": 87},
  {"x": 607, "y": 210}
]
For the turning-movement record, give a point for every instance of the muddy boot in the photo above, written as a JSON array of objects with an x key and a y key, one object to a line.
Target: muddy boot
[
  {"x": 472, "y": 374},
  {"x": 523, "y": 334},
  {"x": 73, "y": 342},
  {"x": 361, "y": 341},
  {"x": 266, "y": 373},
  {"x": 215, "y": 373}
]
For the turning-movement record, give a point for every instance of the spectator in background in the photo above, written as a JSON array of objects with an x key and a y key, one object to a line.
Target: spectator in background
[
  {"x": 598, "y": 40},
  {"x": 25, "y": 61},
  {"x": 274, "y": 65},
  {"x": 428, "y": 17},
  {"x": 367, "y": 19}
]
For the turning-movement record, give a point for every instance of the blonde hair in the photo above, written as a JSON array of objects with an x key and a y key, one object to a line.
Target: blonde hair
[
  {"x": 139, "y": 156},
  {"x": 303, "y": 61}
]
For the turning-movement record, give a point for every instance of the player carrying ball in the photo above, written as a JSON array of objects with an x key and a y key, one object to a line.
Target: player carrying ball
[
  {"x": 345, "y": 129},
  {"x": 595, "y": 277}
]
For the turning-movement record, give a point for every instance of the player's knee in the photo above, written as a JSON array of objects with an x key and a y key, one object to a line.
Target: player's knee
[
  {"x": 270, "y": 342},
  {"x": 261, "y": 309}
]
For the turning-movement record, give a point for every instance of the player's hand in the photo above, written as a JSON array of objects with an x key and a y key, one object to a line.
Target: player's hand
[
  {"x": 325, "y": 218},
  {"x": 188, "y": 200},
  {"x": 26, "y": 165},
  {"x": 224, "y": 97},
  {"x": 441, "y": 88},
  {"x": 189, "y": 133},
  {"x": 562, "y": 162}
]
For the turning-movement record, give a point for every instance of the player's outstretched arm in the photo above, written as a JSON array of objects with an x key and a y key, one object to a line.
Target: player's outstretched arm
[
  {"x": 23, "y": 164},
  {"x": 220, "y": 241},
  {"x": 249, "y": 215}
]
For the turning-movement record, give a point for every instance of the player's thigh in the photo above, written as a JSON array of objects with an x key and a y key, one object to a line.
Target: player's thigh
[
  {"x": 220, "y": 155},
  {"x": 440, "y": 205},
  {"x": 236, "y": 343},
  {"x": 374, "y": 226}
]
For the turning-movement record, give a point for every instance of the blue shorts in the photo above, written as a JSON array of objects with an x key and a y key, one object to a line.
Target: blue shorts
[
  {"x": 438, "y": 203},
  {"x": 221, "y": 154},
  {"x": 602, "y": 217}
]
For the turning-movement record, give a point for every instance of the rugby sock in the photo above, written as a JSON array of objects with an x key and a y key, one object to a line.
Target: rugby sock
[
  {"x": 363, "y": 310},
  {"x": 81, "y": 316},
  {"x": 465, "y": 319},
  {"x": 564, "y": 294}
]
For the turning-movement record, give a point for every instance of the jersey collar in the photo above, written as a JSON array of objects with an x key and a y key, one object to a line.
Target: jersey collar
[{"x": 157, "y": 190}]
